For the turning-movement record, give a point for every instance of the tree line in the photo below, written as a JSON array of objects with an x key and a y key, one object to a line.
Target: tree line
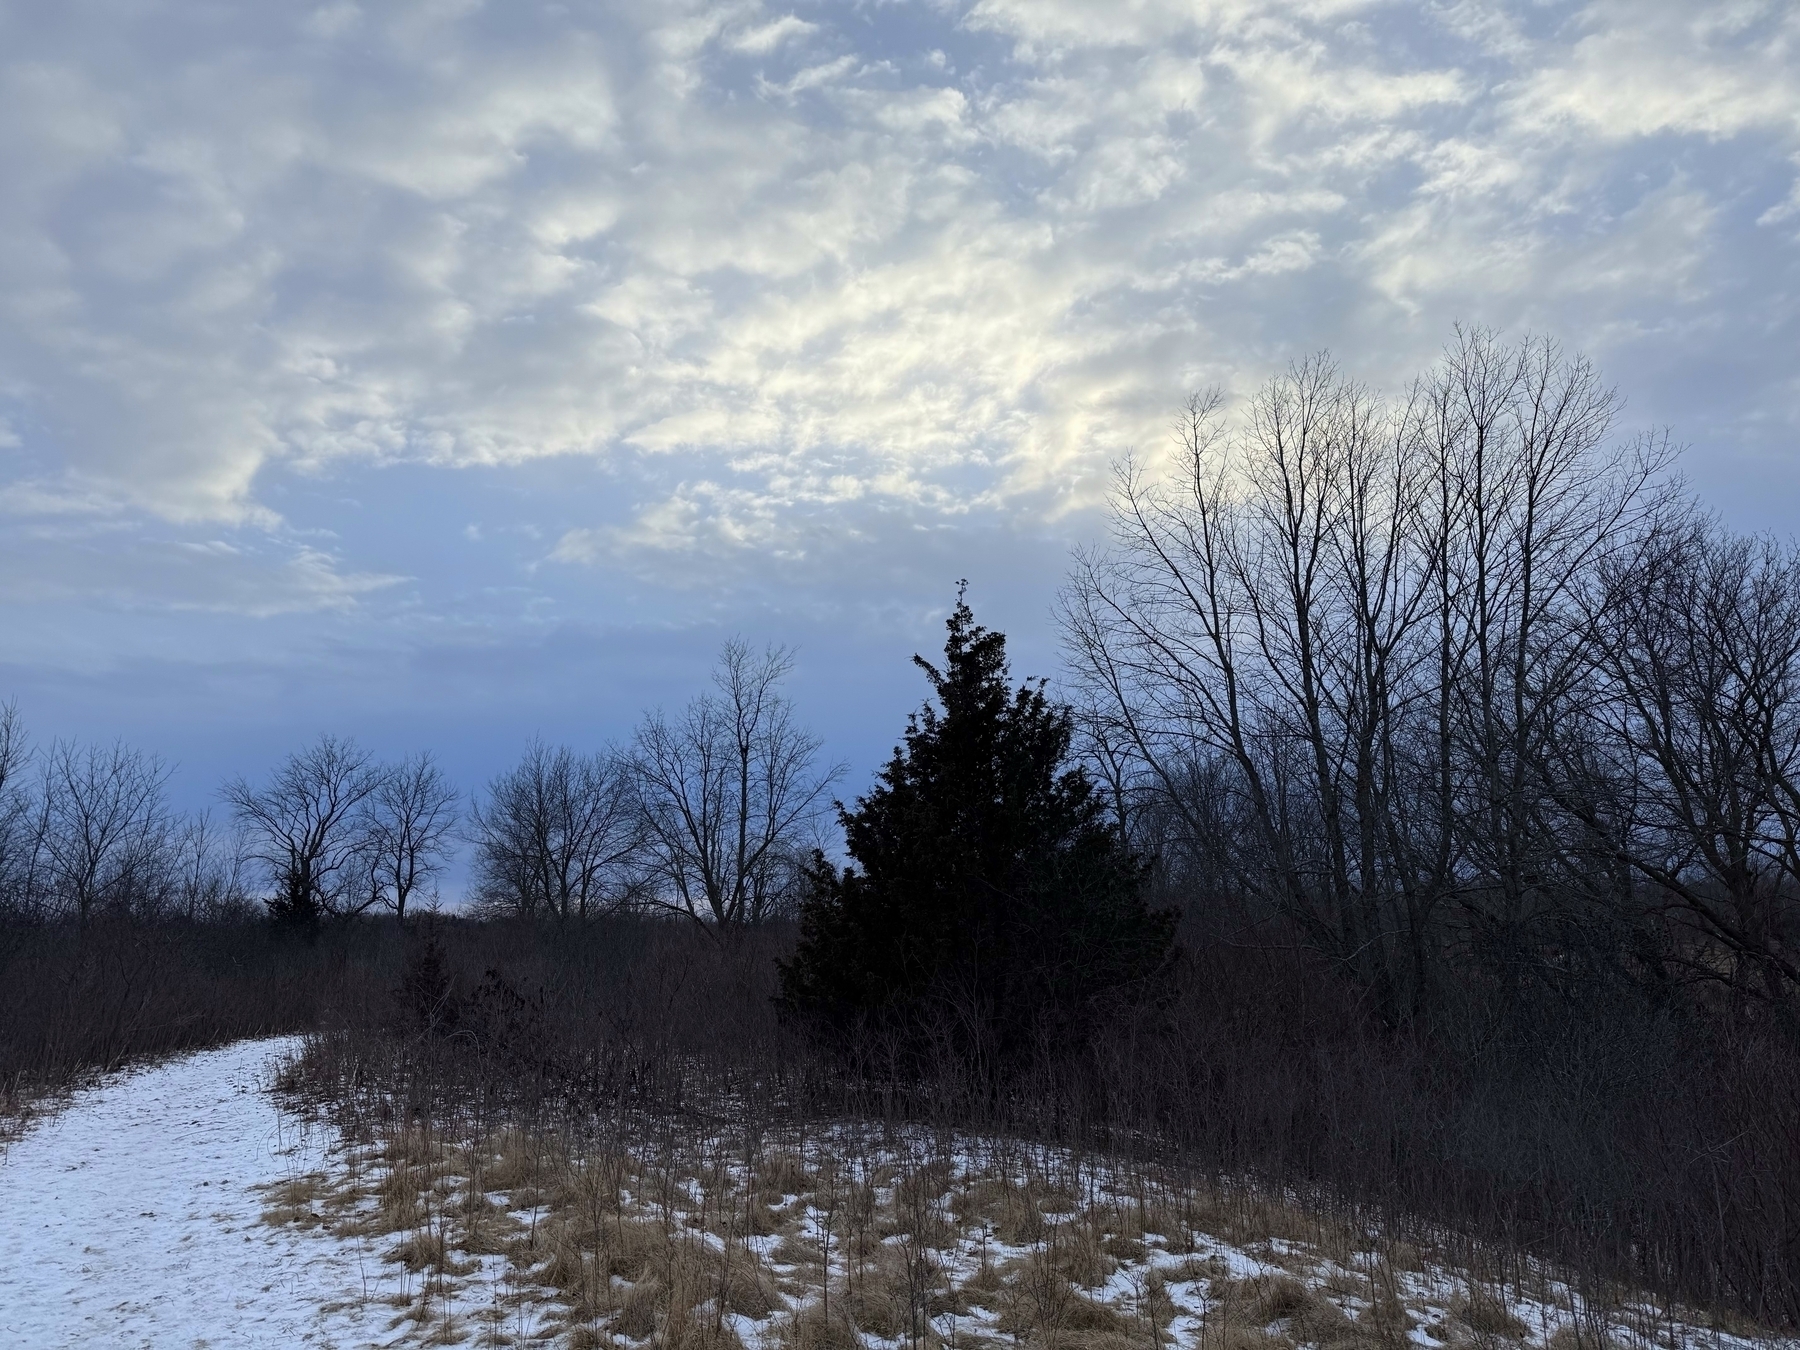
[
  {"x": 708, "y": 814},
  {"x": 1442, "y": 684}
]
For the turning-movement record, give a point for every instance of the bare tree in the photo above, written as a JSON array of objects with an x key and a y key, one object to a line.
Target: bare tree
[
  {"x": 306, "y": 829},
  {"x": 106, "y": 827},
  {"x": 1364, "y": 623},
  {"x": 97, "y": 837},
  {"x": 1696, "y": 637},
  {"x": 207, "y": 863},
  {"x": 408, "y": 826},
  {"x": 1535, "y": 506},
  {"x": 19, "y": 836},
  {"x": 730, "y": 793},
  {"x": 1253, "y": 640},
  {"x": 558, "y": 836}
]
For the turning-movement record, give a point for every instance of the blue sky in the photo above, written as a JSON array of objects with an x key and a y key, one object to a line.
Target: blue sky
[{"x": 440, "y": 373}]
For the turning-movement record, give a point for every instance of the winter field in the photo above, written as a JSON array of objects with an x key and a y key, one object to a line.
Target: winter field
[{"x": 191, "y": 1204}]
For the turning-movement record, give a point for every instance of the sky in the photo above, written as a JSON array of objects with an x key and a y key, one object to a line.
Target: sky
[{"x": 442, "y": 373}]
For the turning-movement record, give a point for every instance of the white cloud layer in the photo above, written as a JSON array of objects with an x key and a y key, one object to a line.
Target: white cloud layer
[{"x": 944, "y": 255}]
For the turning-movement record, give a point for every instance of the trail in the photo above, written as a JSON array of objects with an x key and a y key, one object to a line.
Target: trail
[{"x": 132, "y": 1218}]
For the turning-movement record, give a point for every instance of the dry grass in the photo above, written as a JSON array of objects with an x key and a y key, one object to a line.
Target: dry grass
[
  {"x": 23, "y": 1104},
  {"x": 854, "y": 1241},
  {"x": 1487, "y": 1315}
]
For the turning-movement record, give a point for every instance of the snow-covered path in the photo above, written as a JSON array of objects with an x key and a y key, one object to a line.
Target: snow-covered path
[{"x": 132, "y": 1219}]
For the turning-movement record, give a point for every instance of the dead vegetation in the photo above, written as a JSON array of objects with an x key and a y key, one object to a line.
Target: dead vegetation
[
  {"x": 855, "y": 1238},
  {"x": 22, "y": 1105}
]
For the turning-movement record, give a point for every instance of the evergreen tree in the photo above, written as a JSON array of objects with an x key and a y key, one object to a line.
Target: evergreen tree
[{"x": 988, "y": 900}]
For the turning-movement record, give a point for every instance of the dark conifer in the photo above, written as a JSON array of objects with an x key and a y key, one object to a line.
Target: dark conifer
[{"x": 989, "y": 901}]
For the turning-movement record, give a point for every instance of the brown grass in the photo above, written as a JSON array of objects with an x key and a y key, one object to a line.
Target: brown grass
[
  {"x": 1482, "y": 1312},
  {"x": 830, "y": 1245}
]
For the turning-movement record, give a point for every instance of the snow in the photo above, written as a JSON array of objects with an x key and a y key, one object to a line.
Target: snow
[{"x": 134, "y": 1218}]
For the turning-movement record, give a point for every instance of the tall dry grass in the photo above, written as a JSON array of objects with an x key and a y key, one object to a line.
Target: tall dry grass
[{"x": 705, "y": 1234}]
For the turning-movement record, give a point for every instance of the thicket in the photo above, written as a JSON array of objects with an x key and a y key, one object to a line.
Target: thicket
[
  {"x": 74, "y": 999},
  {"x": 1629, "y": 1142}
]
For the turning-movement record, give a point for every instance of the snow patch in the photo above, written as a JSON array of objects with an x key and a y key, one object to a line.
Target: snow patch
[{"x": 133, "y": 1217}]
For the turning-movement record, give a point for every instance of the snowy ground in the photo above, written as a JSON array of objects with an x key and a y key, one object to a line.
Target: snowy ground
[
  {"x": 176, "y": 1206},
  {"x": 133, "y": 1218}
]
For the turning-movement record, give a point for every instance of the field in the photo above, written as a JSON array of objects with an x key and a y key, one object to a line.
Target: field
[{"x": 699, "y": 1236}]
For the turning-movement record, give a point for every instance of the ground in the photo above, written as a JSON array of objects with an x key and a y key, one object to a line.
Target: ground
[
  {"x": 189, "y": 1204},
  {"x": 135, "y": 1217}
]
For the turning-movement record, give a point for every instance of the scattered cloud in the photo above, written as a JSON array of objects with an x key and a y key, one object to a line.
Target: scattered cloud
[
  {"x": 121, "y": 567},
  {"x": 766, "y": 37}
]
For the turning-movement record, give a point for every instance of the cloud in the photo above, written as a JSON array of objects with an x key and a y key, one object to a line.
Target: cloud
[
  {"x": 1644, "y": 68},
  {"x": 765, "y": 38},
  {"x": 125, "y": 568},
  {"x": 944, "y": 258}
]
